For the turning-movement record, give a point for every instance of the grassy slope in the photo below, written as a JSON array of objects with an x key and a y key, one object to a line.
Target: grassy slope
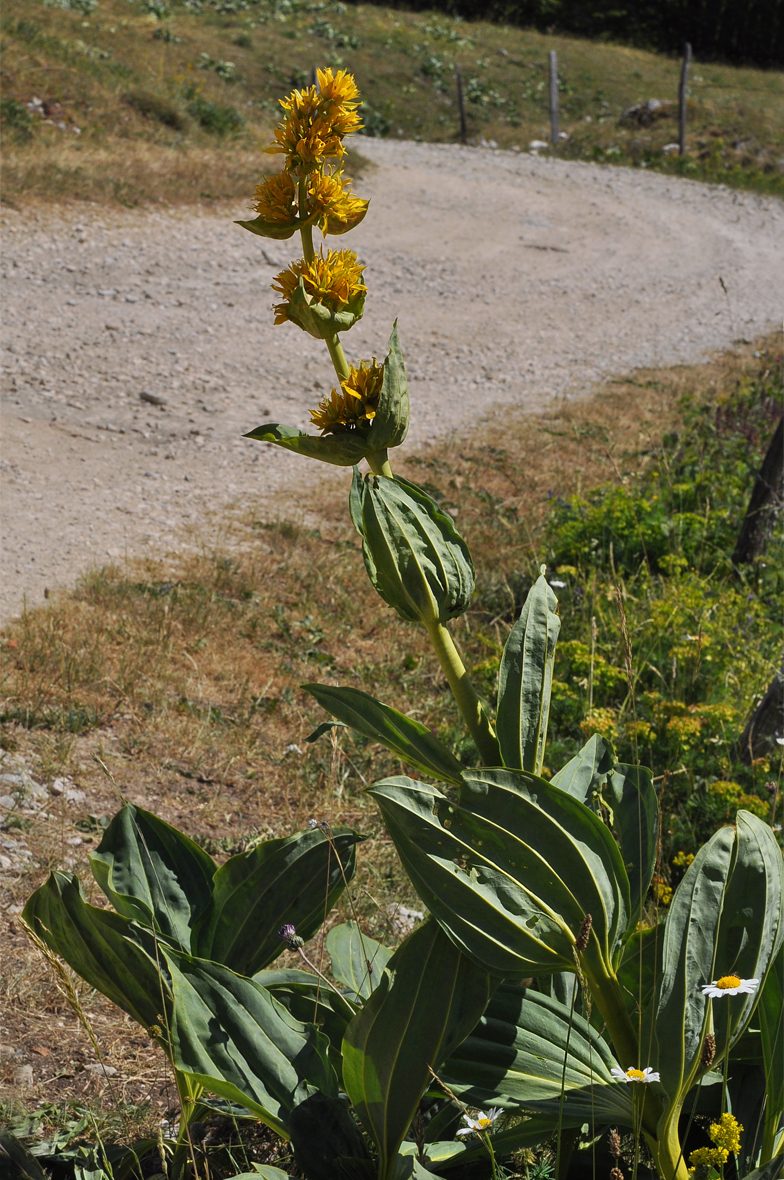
[{"x": 150, "y": 118}]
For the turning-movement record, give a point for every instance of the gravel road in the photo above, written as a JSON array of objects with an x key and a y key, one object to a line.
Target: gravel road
[{"x": 514, "y": 278}]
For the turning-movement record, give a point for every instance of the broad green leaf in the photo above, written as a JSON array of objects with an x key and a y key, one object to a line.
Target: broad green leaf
[
  {"x": 411, "y": 740},
  {"x": 640, "y": 969},
  {"x": 635, "y": 819},
  {"x": 322, "y": 1130},
  {"x": 525, "y": 1045},
  {"x": 293, "y": 880},
  {"x": 390, "y": 425},
  {"x": 771, "y": 1022},
  {"x": 773, "y": 1170},
  {"x": 309, "y": 1000},
  {"x": 586, "y": 773},
  {"x": 357, "y": 960},
  {"x": 272, "y": 229},
  {"x": 342, "y": 450},
  {"x": 525, "y": 680},
  {"x": 724, "y": 918},
  {"x": 511, "y": 870},
  {"x": 414, "y": 555},
  {"x": 21, "y": 1164},
  {"x": 429, "y": 999},
  {"x": 153, "y": 873},
  {"x": 594, "y": 777},
  {"x": 230, "y": 1035},
  {"x": 111, "y": 953}
]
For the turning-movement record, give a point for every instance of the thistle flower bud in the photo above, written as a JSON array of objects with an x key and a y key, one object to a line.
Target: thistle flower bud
[
  {"x": 414, "y": 556},
  {"x": 708, "y": 1051},
  {"x": 581, "y": 942},
  {"x": 614, "y": 1143},
  {"x": 288, "y": 934}
]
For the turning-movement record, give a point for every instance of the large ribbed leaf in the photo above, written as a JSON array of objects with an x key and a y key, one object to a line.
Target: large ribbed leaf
[
  {"x": 516, "y": 1054},
  {"x": 632, "y": 800},
  {"x": 525, "y": 680},
  {"x": 390, "y": 424},
  {"x": 586, "y": 773},
  {"x": 342, "y": 450},
  {"x": 153, "y": 873},
  {"x": 429, "y": 999},
  {"x": 358, "y": 961},
  {"x": 111, "y": 953},
  {"x": 293, "y": 880},
  {"x": 310, "y": 1001},
  {"x": 230, "y": 1035},
  {"x": 771, "y": 1022},
  {"x": 411, "y": 740},
  {"x": 725, "y": 918},
  {"x": 414, "y": 556},
  {"x": 594, "y": 777},
  {"x": 511, "y": 870}
]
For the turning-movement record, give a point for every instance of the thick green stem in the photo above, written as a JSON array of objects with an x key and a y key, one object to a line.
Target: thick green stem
[
  {"x": 306, "y": 232},
  {"x": 378, "y": 462},
  {"x": 464, "y": 693},
  {"x": 668, "y": 1154},
  {"x": 338, "y": 356}
]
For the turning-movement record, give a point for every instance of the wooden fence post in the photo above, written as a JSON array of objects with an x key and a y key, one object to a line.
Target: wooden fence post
[
  {"x": 461, "y": 104},
  {"x": 682, "y": 99},
  {"x": 554, "y": 99}
]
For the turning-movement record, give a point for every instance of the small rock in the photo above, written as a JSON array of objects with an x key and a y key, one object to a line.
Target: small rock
[
  {"x": 23, "y": 1076},
  {"x": 669, "y": 148},
  {"x": 107, "y": 292},
  {"x": 5, "y": 863},
  {"x": 154, "y": 399},
  {"x": 96, "y": 1067},
  {"x": 8, "y": 802},
  {"x": 538, "y": 145},
  {"x": 57, "y": 786},
  {"x": 74, "y": 841},
  {"x": 6, "y": 1051}
]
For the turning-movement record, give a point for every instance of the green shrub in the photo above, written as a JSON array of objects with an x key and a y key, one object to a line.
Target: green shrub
[{"x": 154, "y": 106}]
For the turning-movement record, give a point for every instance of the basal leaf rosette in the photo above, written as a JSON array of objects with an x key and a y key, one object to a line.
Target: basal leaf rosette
[
  {"x": 368, "y": 414},
  {"x": 414, "y": 555},
  {"x": 329, "y": 204}
]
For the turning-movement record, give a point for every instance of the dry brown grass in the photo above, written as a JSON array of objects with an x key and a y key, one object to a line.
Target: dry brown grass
[
  {"x": 129, "y": 174},
  {"x": 176, "y": 682}
]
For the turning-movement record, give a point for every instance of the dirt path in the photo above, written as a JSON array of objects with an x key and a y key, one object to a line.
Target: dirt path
[{"x": 514, "y": 279}]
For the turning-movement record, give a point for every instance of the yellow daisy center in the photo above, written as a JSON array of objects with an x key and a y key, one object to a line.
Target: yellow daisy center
[
  {"x": 636, "y": 1075},
  {"x": 728, "y": 981},
  {"x": 484, "y": 1121}
]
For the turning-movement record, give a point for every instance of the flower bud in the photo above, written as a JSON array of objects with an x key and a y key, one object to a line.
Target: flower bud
[
  {"x": 288, "y": 934},
  {"x": 413, "y": 553}
]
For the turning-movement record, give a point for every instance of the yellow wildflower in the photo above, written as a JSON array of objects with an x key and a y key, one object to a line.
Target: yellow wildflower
[
  {"x": 726, "y": 1133},
  {"x": 335, "y": 207},
  {"x": 275, "y": 198},
  {"x": 317, "y": 120},
  {"x": 683, "y": 859},
  {"x": 354, "y": 405},
  {"x": 332, "y": 279},
  {"x": 707, "y": 1157}
]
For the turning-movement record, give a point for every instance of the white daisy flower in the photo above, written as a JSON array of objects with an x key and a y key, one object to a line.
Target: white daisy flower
[
  {"x": 482, "y": 1122},
  {"x": 730, "y": 985},
  {"x": 634, "y": 1075}
]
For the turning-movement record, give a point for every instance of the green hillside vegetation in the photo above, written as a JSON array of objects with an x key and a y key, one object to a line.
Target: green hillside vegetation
[{"x": 134, "y": 100}]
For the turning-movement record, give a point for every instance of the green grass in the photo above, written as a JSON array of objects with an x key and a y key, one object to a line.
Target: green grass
[{"x": 136, "y": 77}]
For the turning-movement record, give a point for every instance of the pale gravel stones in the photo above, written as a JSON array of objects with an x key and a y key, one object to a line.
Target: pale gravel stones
[{"x": 515, "y": 279}]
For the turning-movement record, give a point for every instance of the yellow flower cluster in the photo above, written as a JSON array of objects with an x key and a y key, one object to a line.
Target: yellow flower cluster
[
  {"x": 683, "y": 859},
  {"x": 317, "y": 121},
  {"x": 354, "y": 405},
  {"x": 332, "y": 279},
  {"x": 726, "y": 1135},
  {"x": 330, "y": 203}
]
